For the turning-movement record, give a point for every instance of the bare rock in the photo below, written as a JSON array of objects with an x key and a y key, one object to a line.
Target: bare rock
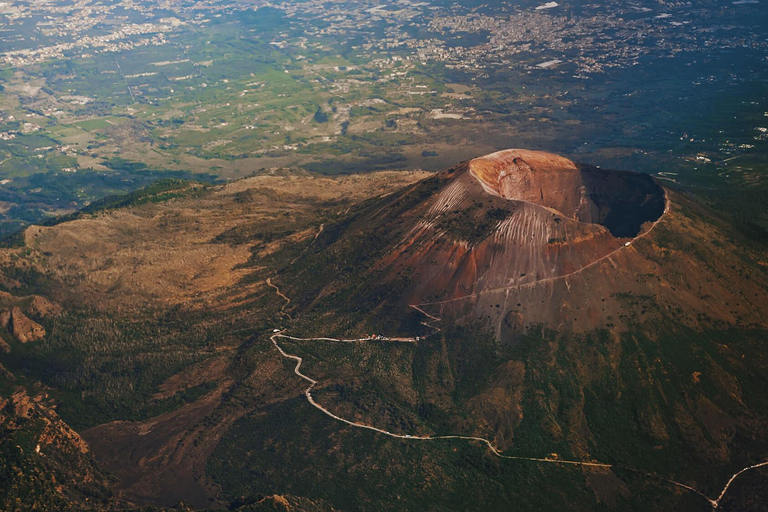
[
  {"x": 22, "y": 404},
  {"x": 21, "y": 327}
]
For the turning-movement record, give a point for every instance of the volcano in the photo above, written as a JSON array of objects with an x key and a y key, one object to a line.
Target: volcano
[
  {"x": 557, "y": 307},
  {"x": 525, "y": 238},
  {"x": 518, "y": 331}
]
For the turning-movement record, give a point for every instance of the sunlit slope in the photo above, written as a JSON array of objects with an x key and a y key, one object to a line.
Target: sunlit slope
[{"x": 522, "y": 238}]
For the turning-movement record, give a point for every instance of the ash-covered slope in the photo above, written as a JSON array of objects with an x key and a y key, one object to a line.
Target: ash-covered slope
[{"x": 522, "y": 238}]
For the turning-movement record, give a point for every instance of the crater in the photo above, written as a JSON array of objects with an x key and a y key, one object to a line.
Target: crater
[{"x": 621, "y": 201}]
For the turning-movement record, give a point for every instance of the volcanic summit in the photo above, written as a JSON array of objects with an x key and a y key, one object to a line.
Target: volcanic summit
[
  {"x": 620, "y": 201},
  {"x": 520, "y": 238}
]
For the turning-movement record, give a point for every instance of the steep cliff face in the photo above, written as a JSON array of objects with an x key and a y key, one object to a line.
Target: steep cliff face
[
  {"x": 20, "y": 326},
  {"x": 620, "y": 201},
  {"x": 532, "y": 176}
]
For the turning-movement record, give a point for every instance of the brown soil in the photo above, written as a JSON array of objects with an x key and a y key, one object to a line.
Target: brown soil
[
  {"x": 164, "y": 255},
  {"x": 162, "y": 460},
  {"x": 148, "y": 259}
]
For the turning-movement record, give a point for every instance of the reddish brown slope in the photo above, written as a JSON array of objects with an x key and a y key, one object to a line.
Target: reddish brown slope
[
  {"x": 495, "y": 245},
  {"x": 532, "y": 176},
  {"x": 525, "y": 243}
]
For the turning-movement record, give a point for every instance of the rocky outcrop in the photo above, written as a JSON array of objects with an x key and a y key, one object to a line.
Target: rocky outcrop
[
  {"x": 20, "y": 326},
  {"x": 43, "y": 308},
  {"x": 45, "y": 461}
]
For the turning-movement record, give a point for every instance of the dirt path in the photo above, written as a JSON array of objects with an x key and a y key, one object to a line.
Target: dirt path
[
  {"x": 279, "y": 294},
  {"x": 317, "y": 235},
  {"x": 412, "y": 437},
  {"x": 432, "y": 318},
  {"x": 716, "y": 503}
]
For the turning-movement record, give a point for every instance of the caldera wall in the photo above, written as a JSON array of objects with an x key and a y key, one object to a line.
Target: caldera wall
[{"x": 620, "y": 201}]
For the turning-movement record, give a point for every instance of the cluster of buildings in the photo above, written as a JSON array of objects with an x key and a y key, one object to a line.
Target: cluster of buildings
[
  {"x": 593, "y": 37},
  {"x": 83, "y": 27},
  {"x": 599, "y": 38}
]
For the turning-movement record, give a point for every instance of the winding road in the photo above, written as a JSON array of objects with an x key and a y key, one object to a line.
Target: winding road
[
  {"x": 715, "y": 503},
  {"x": 413, "y": 437}
]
